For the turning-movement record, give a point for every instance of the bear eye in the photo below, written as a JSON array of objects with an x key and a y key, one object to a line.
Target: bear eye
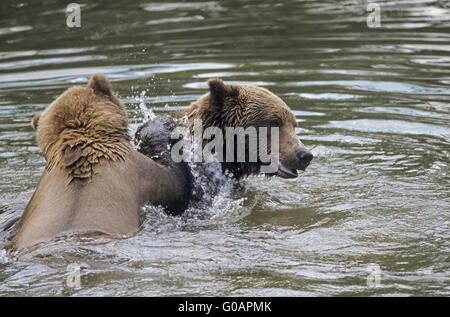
[{"x": 275, "y": 123}]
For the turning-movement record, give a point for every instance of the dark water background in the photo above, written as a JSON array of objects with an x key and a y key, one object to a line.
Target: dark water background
[{"x": 372, "y": 103}]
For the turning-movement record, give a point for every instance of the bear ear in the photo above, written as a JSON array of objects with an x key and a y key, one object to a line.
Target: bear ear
[
  {"x": 35, "y": 121},
  {"x": 100, "y": 85},
  {"x": 70, "y": 155},
  {"x": 219, "y": 90}
]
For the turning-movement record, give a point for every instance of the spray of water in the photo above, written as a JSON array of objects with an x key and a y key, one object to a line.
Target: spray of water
[
  {"x": 212, "y": 203},
  {"x": 148, "y": 113},
  {"x": 4, "y": 257}
]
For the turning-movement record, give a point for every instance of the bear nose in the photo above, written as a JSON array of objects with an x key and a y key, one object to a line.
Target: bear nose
[{"x": 304, "y": 156}]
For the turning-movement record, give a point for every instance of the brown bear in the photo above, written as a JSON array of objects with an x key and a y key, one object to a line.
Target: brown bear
[
  {"x": 94, "y": 182},
  {"x": 247, "y": 106}
]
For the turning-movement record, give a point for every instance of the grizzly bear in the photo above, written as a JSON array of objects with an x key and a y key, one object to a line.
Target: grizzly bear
[
  {"x": 94, "y": 182},
  {"x": 245, "y": 106}
]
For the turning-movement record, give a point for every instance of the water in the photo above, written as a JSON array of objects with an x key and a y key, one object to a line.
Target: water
[{"x": 372, "y": 103}]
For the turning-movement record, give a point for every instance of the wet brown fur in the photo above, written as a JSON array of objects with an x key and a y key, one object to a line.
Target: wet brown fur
[
  {"x": 84, "y": 128},
  {"x": 93, "y": 180}
]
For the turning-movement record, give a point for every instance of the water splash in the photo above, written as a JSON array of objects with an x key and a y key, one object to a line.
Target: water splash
[
  {"x": 321, "y": 151},
  {"x": 4, "y": 257},
  {"x": 147, "y": 112},
  {"x": 212, "y": 203}
]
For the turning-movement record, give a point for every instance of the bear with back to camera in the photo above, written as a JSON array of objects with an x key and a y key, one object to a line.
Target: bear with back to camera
[
  {"x": 247, "y": 106},
  {"x": 94, "y": 182}
]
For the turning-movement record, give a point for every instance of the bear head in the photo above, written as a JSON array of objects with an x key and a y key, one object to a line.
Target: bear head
[
  {"x": 83, "y": 127},
  {"x": 250, "y": 106}
]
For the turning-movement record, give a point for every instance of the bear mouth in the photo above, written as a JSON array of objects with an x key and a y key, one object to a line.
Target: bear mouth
[{"x": 285, "y": 172}]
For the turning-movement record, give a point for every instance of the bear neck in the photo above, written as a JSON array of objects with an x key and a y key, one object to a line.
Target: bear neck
[{"x": 82, "y": 154}]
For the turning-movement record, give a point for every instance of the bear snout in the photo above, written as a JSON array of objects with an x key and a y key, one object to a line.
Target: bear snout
[{"x": 304, "y": 157}]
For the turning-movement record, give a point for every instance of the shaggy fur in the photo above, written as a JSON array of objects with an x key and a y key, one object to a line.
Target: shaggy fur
[{"x": 78, "y": 136}]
